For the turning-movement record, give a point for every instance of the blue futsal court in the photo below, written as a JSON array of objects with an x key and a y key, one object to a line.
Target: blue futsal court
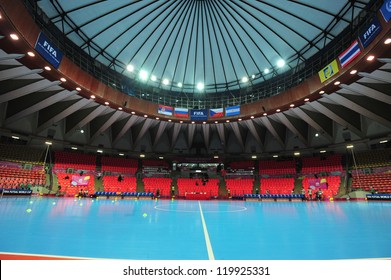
[{"x": 195, "y": 230}]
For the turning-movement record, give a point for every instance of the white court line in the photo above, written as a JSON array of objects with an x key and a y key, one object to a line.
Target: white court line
[{"x": 207, "y": 239}]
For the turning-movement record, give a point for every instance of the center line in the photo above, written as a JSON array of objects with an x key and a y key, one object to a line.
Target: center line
[{"x": 207, "y": 240}]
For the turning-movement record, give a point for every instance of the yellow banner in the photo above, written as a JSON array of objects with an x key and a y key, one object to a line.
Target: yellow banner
[{"x": 329, "y": 71}]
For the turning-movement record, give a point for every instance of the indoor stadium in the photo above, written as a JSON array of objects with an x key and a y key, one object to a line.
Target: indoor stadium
[{"x": 195, "y": 130}]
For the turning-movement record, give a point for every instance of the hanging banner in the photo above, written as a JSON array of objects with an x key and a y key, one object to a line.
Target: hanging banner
[
  {"x": 198, "y": 115},
  {"x": 350, "y": 54},
  {"x": 232, "y": 111},
  {"x": 48, "y": 50},
  {"x": 216, "y": 113},
  {"x": 165, "y": 110},
  {"x": 370, "y": 32},
  {"x": 329, "y": 71},
  {"x": 386, "y": 10},
  {"x": 181, "y": 112}
]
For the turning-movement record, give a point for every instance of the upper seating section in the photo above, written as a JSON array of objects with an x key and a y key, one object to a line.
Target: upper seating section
[
  {"x": 77, "y": 161},
  {"x": 155, "y": 168},
  {"x": 119, "y": 165},
  {"x": 245, "y": 165},
  {"x": 239, "y": 187},
  {"x": 22, "y": 154},
  {"x": 314, "y": 165},
  {"x": 277, "y": 167},
  {"x": 243, "y": 169},
  {"x": 373, "y": 159},
  {"x": 187, "y": 185},
  {"x": 277, "y": 185}
]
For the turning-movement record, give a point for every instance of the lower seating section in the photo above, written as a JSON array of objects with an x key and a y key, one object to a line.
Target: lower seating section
[
  {"x": 239, "y": 187},
  {"x": 11, "y": 177},
  {"x": 277, "y": 185},
  {"x": 314, "y": 165},
  {"x": 380, "y": 182},
  {"x": 332, "y": 184},
  {"x": 186, "y": 185},
  {"x": 70, "y": 188},
  {"x": 161, "y": 184},
  {"x": 119, "y": 184},
  {"x": 277, "y": 167}
]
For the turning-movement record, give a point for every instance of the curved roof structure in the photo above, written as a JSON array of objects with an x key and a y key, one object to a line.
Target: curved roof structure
[
  {"x": 202, "y": 46},
  {"x": 36, "y": 104}
]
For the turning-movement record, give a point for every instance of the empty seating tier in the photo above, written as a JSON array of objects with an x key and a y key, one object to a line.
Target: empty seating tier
[
  {"x": 314, "y": 165},
  {"x": 373, "y": 159},
  {"x": 11, "y": 177},
  {"x": 119, "y": 184},
  {"x": 186, "y": 185},
  {"x": 380, "y": 182},
  {"x": 119, "y": 165},
  {"x": 22, "y": 154},
  {"x": 329, "y": 185},
  {"x": 277, "y": 167},
  {"x": 155, "y": 184},
  {"x": 277, "y": 185},
  {"x": 76, "y": 161},
  {"x": 239, "y": 187}
]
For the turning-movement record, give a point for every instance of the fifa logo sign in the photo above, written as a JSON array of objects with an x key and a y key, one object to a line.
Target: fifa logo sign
[
  {"x": 369, "y": 31},
  {"x": 50, "y": 49}
]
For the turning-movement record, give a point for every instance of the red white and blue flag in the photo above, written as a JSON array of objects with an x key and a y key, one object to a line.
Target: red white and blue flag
[
  {"x": 165, "y": 110},
  {"x": 216, "y": 113},
  {"x": 350, "y": 54},
  {"x": 181, "y": 112}
]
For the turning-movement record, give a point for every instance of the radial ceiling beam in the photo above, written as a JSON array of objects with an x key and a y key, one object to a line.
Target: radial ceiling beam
[
  {"x": 106, "y": 125},
  {"x": 5, "y": 56},
  {"x": 351, "y": 102},
  {"x": 83, "y": 120},
  {"x": 236, "y": 129},
  {"x": 327, "y": 111},
  {"x": 314, "y": 121},
  {"x": 161, "y": 128},
  {"x": 275, "y": 129},
  {"x": 190, "y": 134},
  {"x": 28, "y": 89},
  {"x": 175, "y": 133},
  {"x": 145, "y": 126},
  {"x": 296, "y": 126},
  {"x": 206, "y": 134},
  {"x": 64, "y": 113},
  {"x": 368, "y": 91},
  {"x": 53, "y": 99},
  {"x": 377, "y": 75},
  {"x": 129, "y": 123},
  {"x": 17, "y": 72},
  {"x": 254, "y": 131}
]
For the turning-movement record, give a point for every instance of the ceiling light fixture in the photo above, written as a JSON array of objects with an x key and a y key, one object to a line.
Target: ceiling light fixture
[{"x": 14, "y": 36}]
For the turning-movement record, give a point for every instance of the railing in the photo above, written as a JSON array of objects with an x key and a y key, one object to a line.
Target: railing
[{"x": 223, "y": 96}]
